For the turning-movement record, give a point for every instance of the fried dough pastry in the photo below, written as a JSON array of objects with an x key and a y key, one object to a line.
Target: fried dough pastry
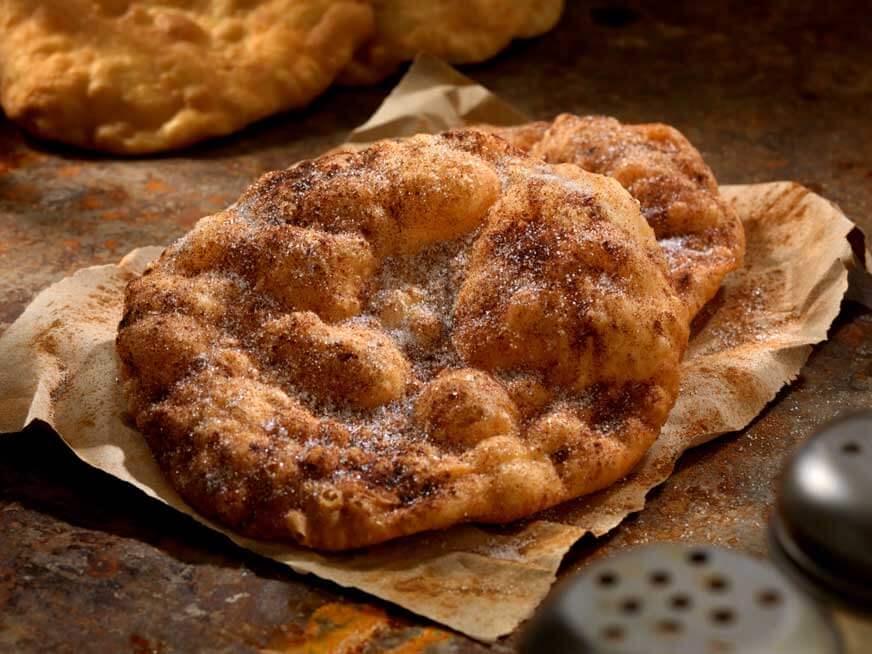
[
  {"x": 458, "y": 31},
  {"x": 430, "y": 331},
  {"x": 138, "y": 76},
  {"x": 701, "y": 236}
]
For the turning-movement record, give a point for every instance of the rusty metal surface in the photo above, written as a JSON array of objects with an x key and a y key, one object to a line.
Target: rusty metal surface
[{"x": 87, "y": 564}]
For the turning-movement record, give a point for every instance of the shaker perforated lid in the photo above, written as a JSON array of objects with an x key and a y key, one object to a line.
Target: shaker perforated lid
[
  {"x": 822, "y": 530},
  {"x": 679, "y": 599}
]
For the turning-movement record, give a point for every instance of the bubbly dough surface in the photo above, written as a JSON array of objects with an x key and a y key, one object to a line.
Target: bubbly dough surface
[
  {"x": 700, "y": 235},
  {"x": 137, "y": 76},
  {"x": 430, "y": 331},
  {"x": 457, "y": 31}
]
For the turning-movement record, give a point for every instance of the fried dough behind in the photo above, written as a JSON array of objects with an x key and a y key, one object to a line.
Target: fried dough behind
[
  {"x": 457, "y": 31},
  {"x": 150, "y": 75},
  {"x": 701, "y": 236}
]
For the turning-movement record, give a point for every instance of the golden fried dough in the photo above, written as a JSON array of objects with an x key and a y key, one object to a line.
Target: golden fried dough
[
  {"x": 701, "y": 236},
  {"x": 143, "y": 76},
  {"x": 458, "y": 31},
  {"x": 430, "y": 331}
]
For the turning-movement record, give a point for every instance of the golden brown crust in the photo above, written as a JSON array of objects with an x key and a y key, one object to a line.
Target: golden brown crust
[
  {"x": 701, "y": 236},
  {"x": 150, "y": 75},
  {"x": 494, "y": 335},
  {"x": 457, "y": 31},
  {"x": 524, "y": 137}
]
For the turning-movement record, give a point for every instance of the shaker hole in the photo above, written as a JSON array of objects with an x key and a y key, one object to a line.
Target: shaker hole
[
  {"x": 631, "y": 605},
  {"x": 851, "y": 447},
  {"x": 768, "y": 597},
  {"x": 723, "y": 617},
  {"x": 679, "y": 602},
  {"x": 613, "y": 632},
  {"x": 717, "y": 584},
  {"x": 669, "y": 627},
  {"x": 659, "y": 578},
  {"x": 698, "y": 557}
]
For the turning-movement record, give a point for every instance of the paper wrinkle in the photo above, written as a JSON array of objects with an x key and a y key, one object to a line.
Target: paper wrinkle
[
  {"x": 59, "y": 366},
  {"x": 433, "y": 97}
]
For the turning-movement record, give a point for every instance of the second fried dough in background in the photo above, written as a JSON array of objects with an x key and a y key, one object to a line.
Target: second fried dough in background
[
  {"x": 700, "y": 235},
  {"x": 147, "y": 76},
  {"x": 150, "y": 75},
  {"x": 457, "y": 31}
]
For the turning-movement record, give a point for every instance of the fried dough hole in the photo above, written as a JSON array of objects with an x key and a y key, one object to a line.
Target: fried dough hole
[
  {"x": 350, "y": 365},
  {"x": 462, "y": 407}
]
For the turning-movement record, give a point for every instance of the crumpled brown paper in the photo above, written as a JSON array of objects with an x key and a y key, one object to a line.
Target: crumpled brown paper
[{"x": 59, "y": 366}]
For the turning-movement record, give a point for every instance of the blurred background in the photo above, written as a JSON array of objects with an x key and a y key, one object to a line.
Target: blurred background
[{"x": 767, "y": 91}]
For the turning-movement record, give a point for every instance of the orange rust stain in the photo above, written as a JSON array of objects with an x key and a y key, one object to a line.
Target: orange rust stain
[
  {"x": 156, "y": 186},
  {"x": 86, "y": 423},
  {"x": 218, "y": 199},
  {"x": 420, "y": 643},
  {"x": 15, "y": 157},
  {"x": 20, "y": 192},
  {"x": 103, "y": 566},
  {"x": 111, "y": 214},
  {"x": 110, "y": 244},
  {"x": 140, "y": 645},
  {"x": 189, "y": 216},
  {"x": 148, "y": 217},
  {"x": 332, "y": 629},
  {"x": 853, "y": 335},
  {"x": 69, "y": 171},
  {"x": 90, "y": 202}
]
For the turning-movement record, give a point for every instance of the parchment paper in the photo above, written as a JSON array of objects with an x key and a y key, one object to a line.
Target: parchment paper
[{"x": 57, "y": 364}]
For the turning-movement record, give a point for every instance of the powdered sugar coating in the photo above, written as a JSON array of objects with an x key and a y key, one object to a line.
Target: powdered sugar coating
[{"x": 430, "y": 331}]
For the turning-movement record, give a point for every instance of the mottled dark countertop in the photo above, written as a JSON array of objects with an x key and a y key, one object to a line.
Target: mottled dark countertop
[{"x": 88, "y": 564}]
